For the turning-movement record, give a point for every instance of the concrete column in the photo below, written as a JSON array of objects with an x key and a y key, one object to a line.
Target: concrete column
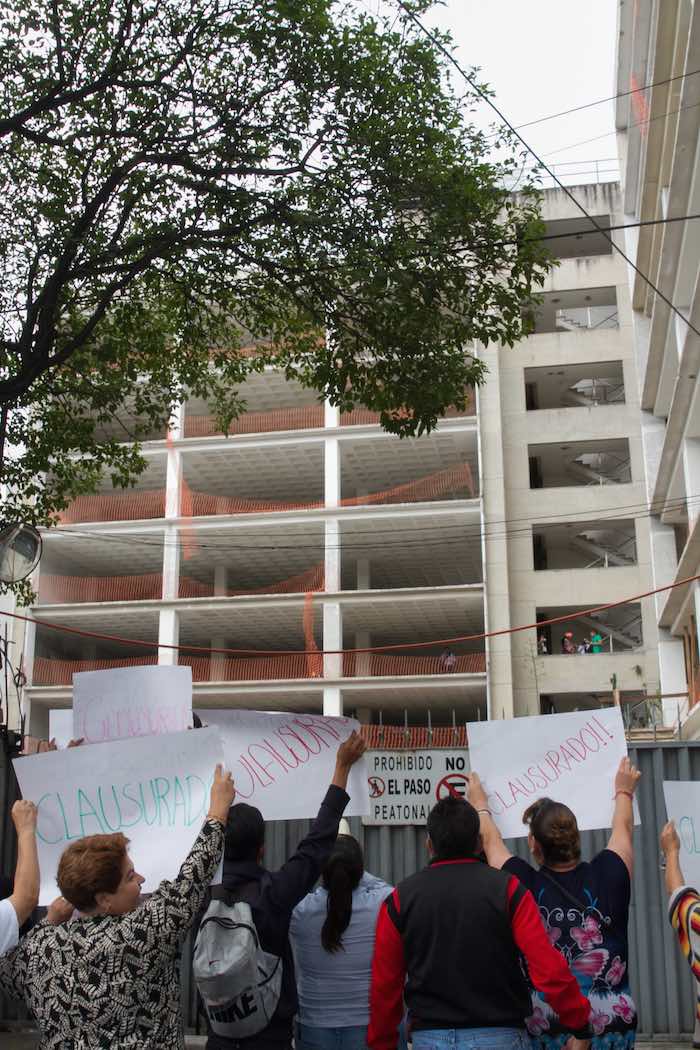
[
  {"x": 173, "y": 483},
  {"x": 364, "y": 574},
  {"x": 168, "y": 634},
  {"x": 497, "y": 613},
  {"x": 171, "y": 563},
  {"x": 331, "y": 415},
  {"x": 363, "y": 640},
  {"x": 332, "y": 700},
  {"x": 691, "y": 475},
  {"x": 332, "y": 555},
  {"x": 332, "y": 639},
  {"x": 218, "y": 660},
  {"x": 220, "y": 581},
  {"x": 331, "y": 464},
  {"x": 177, "y": 425}
]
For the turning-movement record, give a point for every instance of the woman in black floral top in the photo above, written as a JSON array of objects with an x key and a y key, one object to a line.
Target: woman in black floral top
[{"x": 108, "y": 980}]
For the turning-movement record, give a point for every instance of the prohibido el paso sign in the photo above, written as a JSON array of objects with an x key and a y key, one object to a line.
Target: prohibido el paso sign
[{"x": 405, "y": 785}]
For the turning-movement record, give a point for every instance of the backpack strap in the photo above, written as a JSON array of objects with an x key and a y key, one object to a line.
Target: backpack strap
[
  {"x": 242, "y": 893},
  {"x": 583, "y": 908}
]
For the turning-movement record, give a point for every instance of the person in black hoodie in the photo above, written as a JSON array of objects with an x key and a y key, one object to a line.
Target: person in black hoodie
[{"x": 273, "y": 895}]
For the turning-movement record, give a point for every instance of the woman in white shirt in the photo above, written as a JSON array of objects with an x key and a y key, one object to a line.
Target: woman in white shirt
[{"x": 332, "y": 934}]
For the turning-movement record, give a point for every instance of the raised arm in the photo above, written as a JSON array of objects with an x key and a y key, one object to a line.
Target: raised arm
[
  {"x": 297, "y": 876},
  {"x": 25, "y": 894},
  {"x": 497, "y": 853},
  {"x": 173, "y": 906},
  {"x": 620, "y": 842}
]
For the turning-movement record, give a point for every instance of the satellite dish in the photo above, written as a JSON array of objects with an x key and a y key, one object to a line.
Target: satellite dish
[{"x": 20, "y": 551}]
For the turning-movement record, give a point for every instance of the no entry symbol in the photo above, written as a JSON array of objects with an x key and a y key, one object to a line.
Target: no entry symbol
[
  {"x": 454, "y": 785},
  {"x": 377, "y": 786}
]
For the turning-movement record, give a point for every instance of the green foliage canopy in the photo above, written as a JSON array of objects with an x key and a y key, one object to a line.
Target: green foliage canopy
[{"x": 178, "y": 174}]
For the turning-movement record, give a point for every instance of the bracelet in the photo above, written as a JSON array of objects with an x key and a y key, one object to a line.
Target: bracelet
[
  {"x": 484, "y": 811},
  {"x": 629, "y": 794}
]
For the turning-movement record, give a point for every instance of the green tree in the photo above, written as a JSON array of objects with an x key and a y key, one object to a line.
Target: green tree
[{"x": 178, "y": 174}]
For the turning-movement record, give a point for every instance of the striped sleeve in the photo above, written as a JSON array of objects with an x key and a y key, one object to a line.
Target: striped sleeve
[{"x": 684, "y": 913}]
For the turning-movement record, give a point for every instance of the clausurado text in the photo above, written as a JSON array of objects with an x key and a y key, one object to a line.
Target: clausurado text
[{"x": 554, "y": 764}]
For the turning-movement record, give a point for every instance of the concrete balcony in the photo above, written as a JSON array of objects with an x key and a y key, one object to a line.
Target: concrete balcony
[{"x": 590, "y": 673}]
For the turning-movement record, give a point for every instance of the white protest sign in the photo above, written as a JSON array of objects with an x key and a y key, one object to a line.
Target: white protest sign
[
  {"x": 158, "y": 796},
  {"x": 405, "y": 785},
  {"x": 283, "y": 763},
  {"x": 571, "y": 758},
  {"x": 61, "y": 726},
  {"x": 683, "y": 806},
  {"x": 128, "y": 702}
]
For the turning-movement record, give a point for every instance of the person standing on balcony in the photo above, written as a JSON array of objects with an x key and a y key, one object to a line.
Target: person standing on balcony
[
  {"x": 567, "y": 643},
  {"x": 596, "y": 642},
  {"x": 584, "y": 908}
]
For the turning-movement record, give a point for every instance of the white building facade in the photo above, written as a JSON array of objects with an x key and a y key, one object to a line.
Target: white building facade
[
  {"x": 658, "y": 133},
  {"x": 303, "y": 542}
]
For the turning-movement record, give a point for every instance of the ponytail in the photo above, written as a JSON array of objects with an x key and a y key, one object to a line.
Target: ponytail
[
  {"x": 554, "y": 826},
  {"x": 341, "y": 876}
]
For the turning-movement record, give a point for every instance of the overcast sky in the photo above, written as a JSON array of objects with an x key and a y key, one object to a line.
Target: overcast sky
[{"x": 540, "y": 57}]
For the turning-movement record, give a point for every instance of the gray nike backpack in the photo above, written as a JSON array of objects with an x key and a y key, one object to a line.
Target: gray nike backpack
[{"x": 239, "y": 982}]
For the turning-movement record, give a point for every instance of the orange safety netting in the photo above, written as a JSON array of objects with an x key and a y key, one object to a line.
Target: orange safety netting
[
  {"x": 115, "y": 506},
  {"x": 393, "y": 738},
  {"x": 299, "y": 417},
  {"x": 314, "y": 659},
  {"x": 54, "y": 588},
  {"x": 223, "y": 668},
  {"x": 246, "y": 668},
  {"x": 60, "y": 672},
  {"x": 309, "y": 580},
  {"x": 384, "y": 665}
]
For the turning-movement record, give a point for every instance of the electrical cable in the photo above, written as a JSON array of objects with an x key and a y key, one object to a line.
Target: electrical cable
[
  {"x": 400, "y": 646},
  {"x": 608, "y": 134},
  {"x": 610, "y": 98},
  {"x": 466, "y": 531},
  {"x": 482, "y": 94}
]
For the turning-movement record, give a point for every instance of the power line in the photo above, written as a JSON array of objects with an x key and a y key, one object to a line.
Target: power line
[
  {"x": 448, "y": 534},
  {"x": 636, "y": 124},
  {"x": 610, "y": 98},
  {"x": 482, "y": 94}
]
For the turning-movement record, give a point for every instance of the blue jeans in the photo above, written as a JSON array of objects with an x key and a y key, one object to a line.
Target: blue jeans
[
  {"x": 353, "y": 1038},
  {"x": 471, "y": 1039}
]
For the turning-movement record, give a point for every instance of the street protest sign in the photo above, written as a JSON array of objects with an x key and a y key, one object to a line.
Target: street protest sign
[
  {"x": 127, "y": 702},
  {"x": 61, "y": 726},
  {"x": 683, "y": 806},
  {"x": 405, "y": 785},
  {"x": 158, "y": 796},
  {"x": 571, "y": 758},
  {"x": 283, "y": 762}
]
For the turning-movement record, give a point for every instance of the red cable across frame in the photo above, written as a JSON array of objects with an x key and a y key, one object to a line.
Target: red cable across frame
[{"x": 566, "y": 618}]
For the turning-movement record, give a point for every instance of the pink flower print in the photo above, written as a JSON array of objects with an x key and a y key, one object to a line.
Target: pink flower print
[
  {"x": 587, "y": 935},
  {"x": 554, "y": 933},
  {"x": 599, "y": 1021},
  {"x": 537, "y": 1023},
  {"x": 616, "y": 971},
  {"x": 624, "y": 1009}
]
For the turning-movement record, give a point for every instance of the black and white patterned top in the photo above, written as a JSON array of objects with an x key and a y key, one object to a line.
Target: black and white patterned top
[{"x": 107, "y": 982}]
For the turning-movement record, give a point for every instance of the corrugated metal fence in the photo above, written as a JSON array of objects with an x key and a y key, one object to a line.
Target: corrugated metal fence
[{"x": 661, "y": 982}]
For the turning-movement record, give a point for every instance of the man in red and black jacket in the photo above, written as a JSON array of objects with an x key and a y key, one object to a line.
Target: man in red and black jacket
[{"x": 449, "y": 941}]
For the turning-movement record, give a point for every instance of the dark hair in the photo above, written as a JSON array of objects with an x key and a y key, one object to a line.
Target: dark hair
[
  {"x": 341, "y": 875},
  {"x": 245, "y": 832},
  {"x": 91, "y": 865},
  {"x": 453, "y": 826},
  {"x": 554, "y": 827}
]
